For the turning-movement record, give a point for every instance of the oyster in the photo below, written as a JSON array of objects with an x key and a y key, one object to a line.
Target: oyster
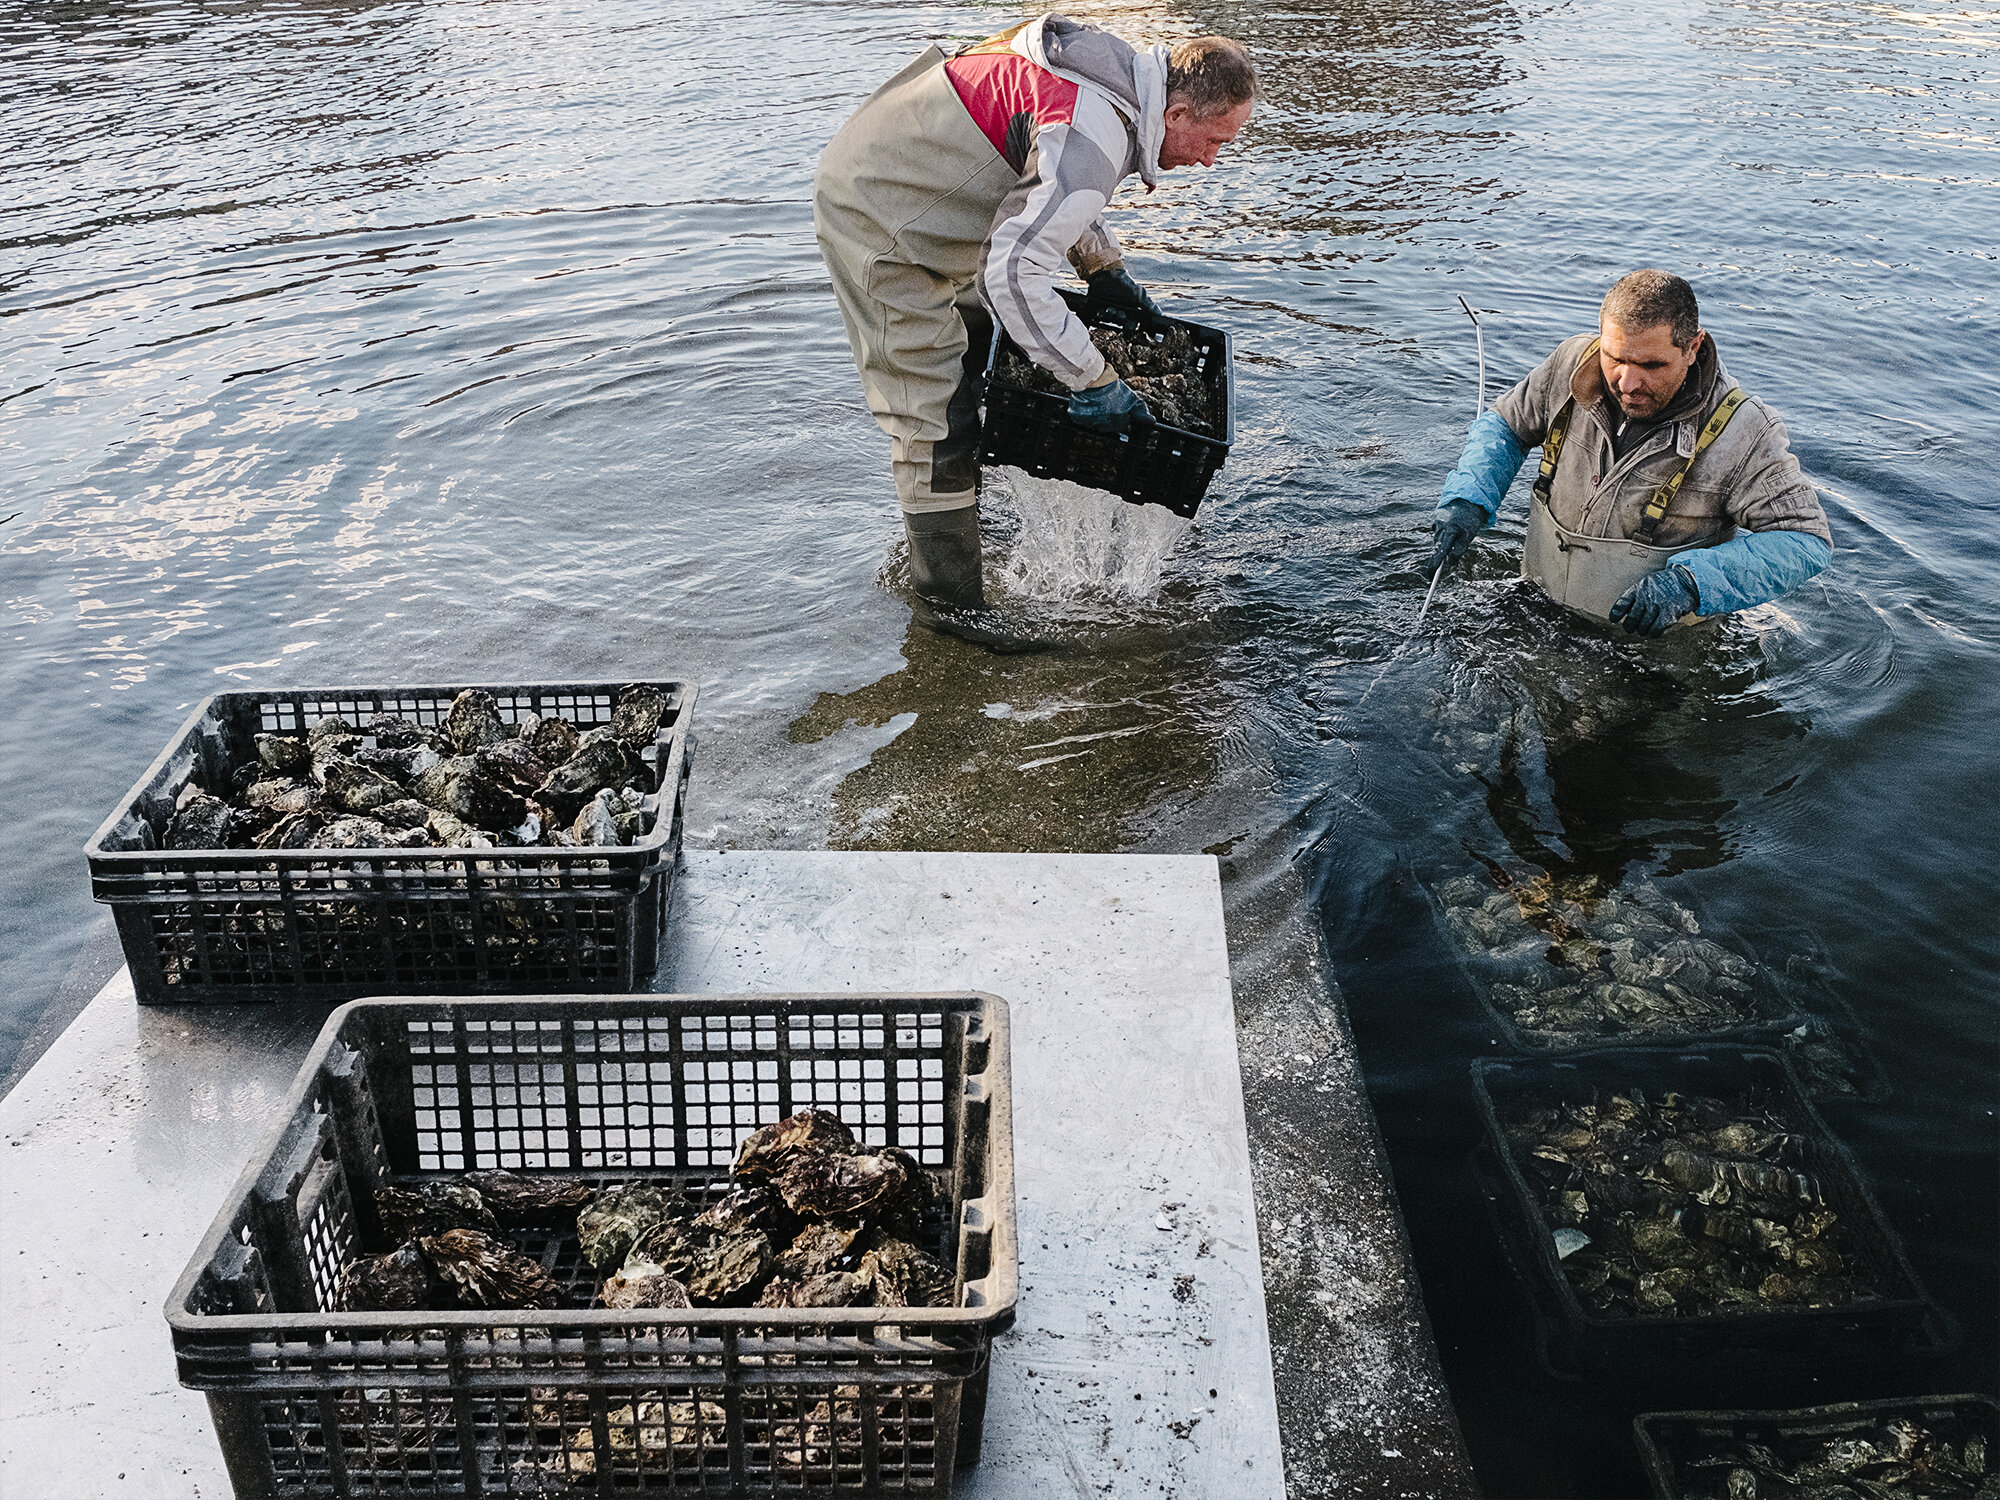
[
  {"x": 199, "y": 822},
  {"x": 833, "y": 1289},
  {"x": 818, "y": 1249},
  {"x": 453, "y": 832},
  {"x": 474, "y": 721},
  {"x": 552, "y": 740},
  {"x": 393, "y": 732},
  {"x": 405, "y": 812},
  {"x": 768, "y": 1150},
  {"x": 483, "y": 803},
  {"x": 355, "y": 787},
  {"x": 284, "y": 754},
  {"x": 596, "y": 824},
  {"x": 823, "y": 1185},
  {"x": 401, "y": 1281},
  {"x": 599, "y": 765},
  {"x": 640, "y": 1283},
  {"x": 901, "y": 1275},
  {"x": 432, "y": 1208},
  {"x": 511, "y": 764},
  {"x": 756, "y": 1206},
  {"x": 517, "y": 1200},
  {"x": 652, "y": 1427},
  {"x": 636, "y": 720},
  {"x": 483, "y": 1271},
  {"x": 719, "y": 1267},
  {"x": 607, "y": 1227}
]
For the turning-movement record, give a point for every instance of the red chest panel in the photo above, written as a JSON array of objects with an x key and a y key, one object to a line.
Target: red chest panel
[{"x": 1005, "y": 94}]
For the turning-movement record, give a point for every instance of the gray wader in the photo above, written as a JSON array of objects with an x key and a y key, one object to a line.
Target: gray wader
[{"x": 1589, "y": 574}]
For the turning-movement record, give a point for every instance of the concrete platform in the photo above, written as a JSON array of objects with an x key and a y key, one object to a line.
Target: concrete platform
[{"x": 1140, "y": 1362}]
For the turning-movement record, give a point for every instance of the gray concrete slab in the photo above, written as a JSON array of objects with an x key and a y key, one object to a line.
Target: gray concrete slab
[{"x": 121, "y": 1142}]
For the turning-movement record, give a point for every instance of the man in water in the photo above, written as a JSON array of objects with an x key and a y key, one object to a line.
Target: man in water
[
  {"x": 958, "y": 191},
  {"x": 1666, "y": 491}
]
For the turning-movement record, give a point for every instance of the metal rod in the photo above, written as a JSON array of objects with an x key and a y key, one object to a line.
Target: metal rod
[{"x": 1478, "y": 406}]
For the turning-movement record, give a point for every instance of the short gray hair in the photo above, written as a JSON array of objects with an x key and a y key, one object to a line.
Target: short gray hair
[
  {"x": 1648, "y": 298},
  {"x": 1212, "y": 74}
]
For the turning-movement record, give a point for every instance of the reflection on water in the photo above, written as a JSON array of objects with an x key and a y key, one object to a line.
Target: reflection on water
[{"x": 398, "y": 342}]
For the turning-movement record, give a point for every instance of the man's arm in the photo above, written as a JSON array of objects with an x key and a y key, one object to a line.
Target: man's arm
[
  {"x": 1057, "y": 208},
  {"x": 1782, "y": 537}
]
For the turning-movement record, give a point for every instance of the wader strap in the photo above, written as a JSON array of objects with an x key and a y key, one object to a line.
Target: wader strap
[
  {"x": 1663, "y": 497},
  {"x": 1552, "y": 441}
]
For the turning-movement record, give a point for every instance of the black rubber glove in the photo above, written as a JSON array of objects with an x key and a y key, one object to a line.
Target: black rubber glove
[
  {"x": 1114, "y": 287},
  {"x": 1108, "y": 408},
  {"x": 1454, "y": 524},
  {"x": 1656, "y": 601}
]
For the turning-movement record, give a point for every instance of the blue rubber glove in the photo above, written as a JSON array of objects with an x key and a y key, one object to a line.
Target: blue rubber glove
[
  {"x": 1454, "y": 523},
  {"x": 1656, "y": 601},
  {"x": 1114, "y": 287},
  {"x": 1108, "y": 408}
]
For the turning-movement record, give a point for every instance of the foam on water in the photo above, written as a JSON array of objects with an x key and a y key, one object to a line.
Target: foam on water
[{"x": 1076, "y": 543}]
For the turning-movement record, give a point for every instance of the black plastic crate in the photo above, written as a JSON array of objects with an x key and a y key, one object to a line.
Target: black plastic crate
[
  {"x": 236, "y": 925},
  {"x": 584, "y": 1401},
  {"x": 1152, "y": 464},
  {"x": 1773, "y": 1002},
  {"x": 1576, "y": 1342},
  {"x": 1670, "y": 1441}
]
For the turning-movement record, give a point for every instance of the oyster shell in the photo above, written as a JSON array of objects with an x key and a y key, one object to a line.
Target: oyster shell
[
  {"x": 833, "y": 1289},
  {"x": 357, "y": 833},
  {"x": 453, "y": 832},
  {"x": 608, "y": 1225},
  {"x": 768, "y": 1150},
  {"x": 474, "y": 721},
  {"x": 199, "y": 822},
  {"x": 284, "y": 753},
  {"x": 821, "y": 1185},
  {"x": 516, "y": 1199},
  {"x": 355, "y": 787},
  {"x": 818, "y": 1249},
  {"x": 512, "y": 765},
  {"x": 596, "y": 824},
  {"x": 636, "y": 720},
  {"x": 640, "y": 1283},
  {"x": 401, "y": 1281},
  {"x": 393, "y": 732},
  {"x": 405, "y": 812},
  {"x": 431, "y": 1208},
  {"x": 481, "y": 1270},
  {"x": 751, "y": 1206},
  {"x": 645, "y": 1426},
  {"x": 483, "y": 803},
  {"x": 728, "y": 1268},
  {"x": 553, "y": 740},
  {"x": 600, "y": 765},
  {"x": 901, "y": 1275}
]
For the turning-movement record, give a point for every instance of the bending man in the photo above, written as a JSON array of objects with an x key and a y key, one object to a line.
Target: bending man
[
  {"x": 963, "y": 184},
  {"x": 1666, "y": 490}
]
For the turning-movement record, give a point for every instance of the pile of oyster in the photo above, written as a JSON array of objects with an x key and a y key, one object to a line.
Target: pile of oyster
[
  {"x": 1163, "y": 372},
  {"x": 1572, "y": 962},
  {"x": 812, "y": 1219},
  {"x": 1685, "y": 1205},
  {"x": 450, "y": 1250},
  {"x": 474, "y": 782},
  {"x": 1875, "y": 1460}
]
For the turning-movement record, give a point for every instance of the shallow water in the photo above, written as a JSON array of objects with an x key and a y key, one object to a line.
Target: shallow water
[{"x": 352, "y": 342}]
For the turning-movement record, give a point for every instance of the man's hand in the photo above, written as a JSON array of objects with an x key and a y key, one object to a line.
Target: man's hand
[
  {"x": 1656, "y": 601},
  {"x": 1111, "y": 407},
  {"x": 1454, "y": 526},
  {"x": 1114, "y": 287}
]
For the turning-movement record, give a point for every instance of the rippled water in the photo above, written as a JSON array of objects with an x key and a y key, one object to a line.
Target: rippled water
[{"x": 395, "y": 342}]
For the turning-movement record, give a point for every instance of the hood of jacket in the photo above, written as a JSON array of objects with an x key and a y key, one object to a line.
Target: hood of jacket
[{"x": 1132, "y": 79}]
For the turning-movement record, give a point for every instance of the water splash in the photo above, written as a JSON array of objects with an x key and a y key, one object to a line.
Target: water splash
[{"x": 1076, "y": 543}]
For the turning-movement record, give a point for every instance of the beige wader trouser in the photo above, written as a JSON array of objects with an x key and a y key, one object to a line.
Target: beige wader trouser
[
  {"x": 903, "y": 201},
  {"x": 1589, "y": 574}
]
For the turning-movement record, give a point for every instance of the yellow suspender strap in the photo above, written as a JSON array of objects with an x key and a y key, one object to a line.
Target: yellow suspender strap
[
  {"x": 1552, "y": 441},
  {"x": 1663, "y": 497}
]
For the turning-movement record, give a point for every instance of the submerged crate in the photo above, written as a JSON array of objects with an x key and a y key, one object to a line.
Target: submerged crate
[
  {"x": 619, "y": 1089},
  {"x": 1672, "y": 1444},
  {"x": 233, "y": 925},
  {"x": 1152, "y": 464},
  {"x": 1576, "y": 1341}
]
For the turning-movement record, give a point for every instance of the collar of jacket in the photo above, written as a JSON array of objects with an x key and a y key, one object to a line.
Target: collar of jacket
[
  {"x": 1706, "y": 383},
  {"x": 1133, "y": 80}
]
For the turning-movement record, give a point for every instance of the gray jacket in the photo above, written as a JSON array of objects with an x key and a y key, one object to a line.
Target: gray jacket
[{"x": 1747, "y": 478}]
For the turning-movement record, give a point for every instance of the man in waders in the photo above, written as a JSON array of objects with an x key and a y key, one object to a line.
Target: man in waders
[
  {"x": 957, "y": 192},
  {"x": 1666, "y": 490}
]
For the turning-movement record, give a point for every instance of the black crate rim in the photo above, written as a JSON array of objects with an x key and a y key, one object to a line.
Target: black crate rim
[
  {"x": 1839, "y": 1157},
  {"x": 637, "y": 853},
  {"x": 1770, "y": 1032},
  {"x": 190, "y": 1327},
  {"x": 1054, "y": 409},
  {"x": 1660, "y": 1467}
]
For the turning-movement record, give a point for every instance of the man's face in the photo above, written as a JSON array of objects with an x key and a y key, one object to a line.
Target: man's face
[
  {"x": 1642, "y": 367},
  {"x": 1194, "y": 143}
]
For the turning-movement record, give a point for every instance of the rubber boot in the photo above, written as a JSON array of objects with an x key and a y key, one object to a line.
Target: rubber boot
[
  {"x": 945, "y": 570},
  {"x": 955, "y": 458}
]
